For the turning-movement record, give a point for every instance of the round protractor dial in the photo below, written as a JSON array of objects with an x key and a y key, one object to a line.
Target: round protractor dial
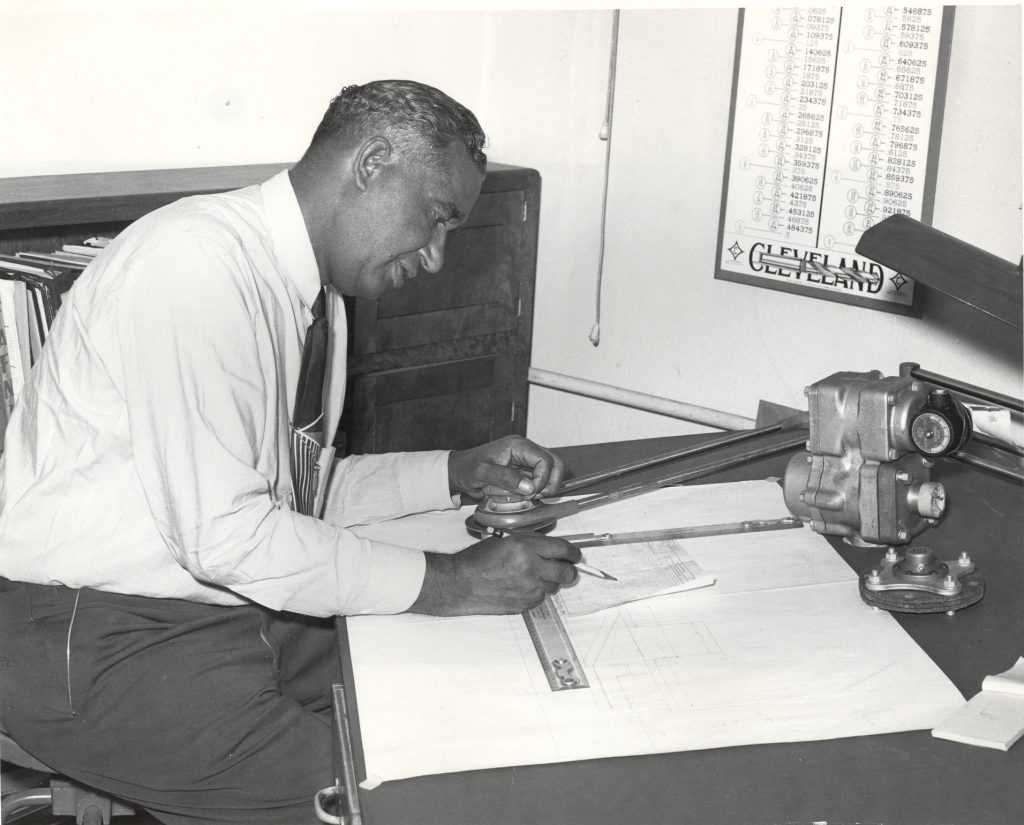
[{"x": 931, "y": 433}]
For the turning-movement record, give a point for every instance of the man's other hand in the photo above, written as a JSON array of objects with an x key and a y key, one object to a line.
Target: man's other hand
[
  {"x": 509, "y": 574},
  {"x": 512, "y": 463}
]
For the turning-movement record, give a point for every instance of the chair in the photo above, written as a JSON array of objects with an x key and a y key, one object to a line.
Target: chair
[{"x": 22, "y": 794}]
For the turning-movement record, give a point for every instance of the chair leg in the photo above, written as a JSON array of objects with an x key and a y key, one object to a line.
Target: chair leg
[
  {"x": 87, "y": 806},
  {"x": 25, "y": 796},
  {"x": 19, "y": 802},
  {"x": 93, "y": 815}
]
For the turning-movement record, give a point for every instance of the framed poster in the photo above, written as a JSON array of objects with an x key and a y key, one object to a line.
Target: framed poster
[{"x": 835, "y": 124}]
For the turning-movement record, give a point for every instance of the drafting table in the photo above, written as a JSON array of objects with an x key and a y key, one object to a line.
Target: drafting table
[{"x": 904, "y": 778}]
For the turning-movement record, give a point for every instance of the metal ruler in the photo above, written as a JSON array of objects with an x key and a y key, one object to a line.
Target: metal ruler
[
  {"x": 557, "y": 656},
  {"x": 672, "y": 533},
  {"x": 544, "y": 623}
]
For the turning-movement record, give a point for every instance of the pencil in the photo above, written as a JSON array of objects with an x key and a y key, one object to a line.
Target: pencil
[{"x": 593, "y": 571}]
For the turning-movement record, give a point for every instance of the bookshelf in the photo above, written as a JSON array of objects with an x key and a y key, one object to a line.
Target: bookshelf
[
  {"x": 442, "y": 363},
  {"x": 43, "y": 210}
]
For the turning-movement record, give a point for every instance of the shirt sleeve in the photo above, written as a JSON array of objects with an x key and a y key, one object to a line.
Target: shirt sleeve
[
  {"x": 364, "y": 489},
  {"x": 205, "y": 420}
]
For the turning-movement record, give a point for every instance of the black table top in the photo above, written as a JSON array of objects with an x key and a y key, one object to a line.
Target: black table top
[{"x": 905, "y": 778}]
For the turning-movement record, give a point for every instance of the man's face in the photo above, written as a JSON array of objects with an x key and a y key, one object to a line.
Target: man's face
[{"x": 402, "y": 223}]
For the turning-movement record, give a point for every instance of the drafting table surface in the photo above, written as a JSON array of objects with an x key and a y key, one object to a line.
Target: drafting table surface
[{"x": 897, "y": 779}]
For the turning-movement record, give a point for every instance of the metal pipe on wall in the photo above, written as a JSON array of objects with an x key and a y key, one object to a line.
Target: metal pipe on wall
[{"x": 640, "y": 401}]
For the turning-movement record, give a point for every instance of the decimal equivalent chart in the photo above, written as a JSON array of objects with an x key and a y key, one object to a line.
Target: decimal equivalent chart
[{"x": 834, "y": 113}]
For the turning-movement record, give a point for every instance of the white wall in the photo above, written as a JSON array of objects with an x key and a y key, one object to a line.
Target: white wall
[
  {"x": 669, "y": 329},
  {"x": 179, "y": 85}
]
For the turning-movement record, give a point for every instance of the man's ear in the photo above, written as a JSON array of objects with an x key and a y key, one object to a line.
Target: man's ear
[{"x": 373, "y": 155}]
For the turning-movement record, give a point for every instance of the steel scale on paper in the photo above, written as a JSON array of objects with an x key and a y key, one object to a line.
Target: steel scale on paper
[{"x": 558, "y": 658}]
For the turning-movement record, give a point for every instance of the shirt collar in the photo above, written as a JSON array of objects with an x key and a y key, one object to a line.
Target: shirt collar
[{"x": 290, "y": 237}]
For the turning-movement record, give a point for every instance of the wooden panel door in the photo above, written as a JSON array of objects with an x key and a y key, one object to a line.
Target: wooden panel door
[
  {"x": 475, "y": 294},
  {"x": 452, "y": 405},
  {"x": 442, "y": 363}
]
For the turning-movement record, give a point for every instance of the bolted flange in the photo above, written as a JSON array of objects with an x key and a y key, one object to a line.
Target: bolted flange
[{"x": 917, "y": 582}]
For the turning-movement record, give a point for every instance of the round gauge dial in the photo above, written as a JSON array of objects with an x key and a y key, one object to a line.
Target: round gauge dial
[{"x": 931, "y": 433}]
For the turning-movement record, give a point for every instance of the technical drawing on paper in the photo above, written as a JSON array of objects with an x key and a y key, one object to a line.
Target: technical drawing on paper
[{"x": 638, "y": 661}]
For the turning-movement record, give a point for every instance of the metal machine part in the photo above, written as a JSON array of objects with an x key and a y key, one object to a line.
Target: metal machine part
[
  {"x": 917, "y": 582},
  {"x": 997, "y": 443},
  {"x": 678, "y": 533},
  {"x": 865, "y": 474},
  {"x": 504, "y": 512},
  {"x": 942, "y": 426}
]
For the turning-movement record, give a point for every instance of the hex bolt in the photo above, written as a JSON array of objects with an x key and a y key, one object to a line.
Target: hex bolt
[
  {"x": 949, "y": 581},
  {"x": 903, "y": 477},
  {"x": 891, "y": 554},
  {"x": 893, "y": 455},
  {"x": 875, "y": 576},
  {"x": 965, "y": 558},
  {"x": 902, "y": 534},
  {"x": 890, "y": 399}
]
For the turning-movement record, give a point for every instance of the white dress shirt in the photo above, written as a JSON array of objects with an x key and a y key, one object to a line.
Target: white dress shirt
[{"x": 148, "y": 453}]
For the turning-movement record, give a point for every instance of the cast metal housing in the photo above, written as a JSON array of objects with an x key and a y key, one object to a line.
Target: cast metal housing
[{"x": 861, "y": 476}]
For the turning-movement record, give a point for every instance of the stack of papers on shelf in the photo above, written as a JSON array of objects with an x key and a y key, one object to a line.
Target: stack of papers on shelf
[{"x": 32, "y": 286}]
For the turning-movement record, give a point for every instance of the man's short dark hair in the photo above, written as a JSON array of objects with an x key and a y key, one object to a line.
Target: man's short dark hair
[{"x": 412, "y": 115}]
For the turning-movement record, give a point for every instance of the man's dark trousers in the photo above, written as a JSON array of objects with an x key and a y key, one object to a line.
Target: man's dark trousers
[{"x": 196, "y": 713}]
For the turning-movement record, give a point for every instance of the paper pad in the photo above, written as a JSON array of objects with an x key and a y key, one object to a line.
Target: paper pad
[
  {"x": 780, "y": 649},
  {"x": 993, "y": 718}
]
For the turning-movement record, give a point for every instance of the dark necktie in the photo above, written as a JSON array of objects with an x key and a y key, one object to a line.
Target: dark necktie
[
  {"x": 309, "y": 397},
  {"x": 308, "y": 418}
]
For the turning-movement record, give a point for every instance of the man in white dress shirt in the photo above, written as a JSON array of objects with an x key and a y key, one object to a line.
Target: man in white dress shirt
[{"x": 166, "y": 610}]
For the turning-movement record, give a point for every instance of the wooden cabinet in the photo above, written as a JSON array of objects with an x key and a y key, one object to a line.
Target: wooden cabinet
[{"x": 441, "y": 363}]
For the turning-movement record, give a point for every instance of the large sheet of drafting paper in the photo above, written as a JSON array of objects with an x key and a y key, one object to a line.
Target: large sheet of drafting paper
[{"x": 781, "y": 648}]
